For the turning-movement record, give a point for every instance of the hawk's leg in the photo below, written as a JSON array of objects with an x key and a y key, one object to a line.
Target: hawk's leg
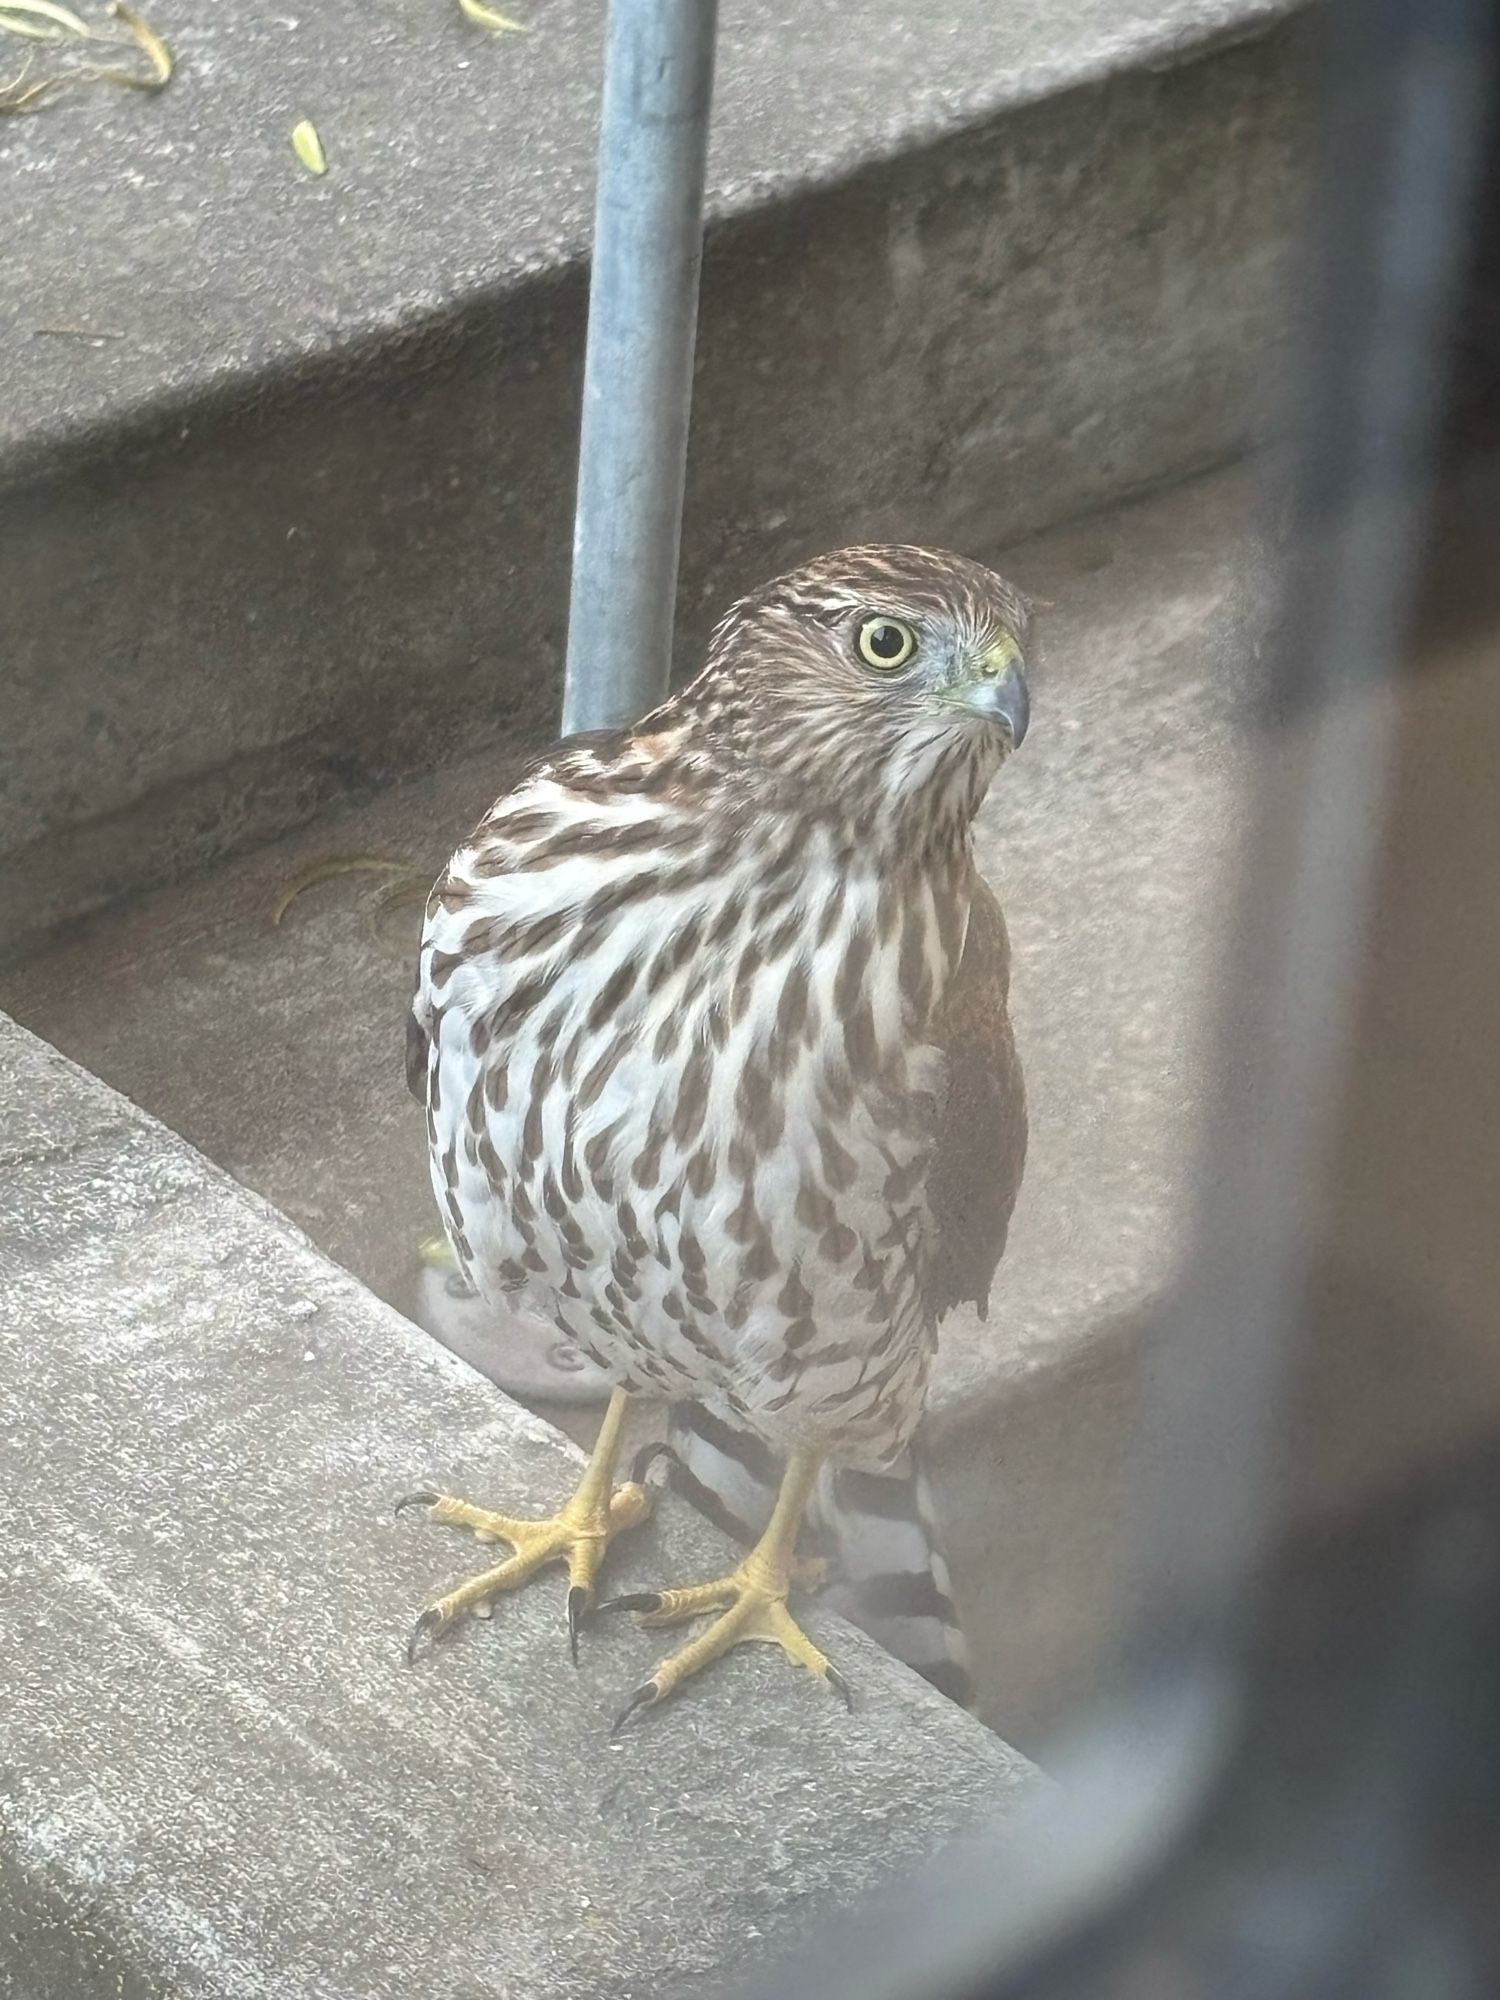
[
  {"x": 578, "y": 1534},
  {"x": 751, "y": 1601}
]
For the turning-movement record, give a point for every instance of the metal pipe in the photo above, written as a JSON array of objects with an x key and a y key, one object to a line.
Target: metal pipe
[{"x": 638, "y": 370}]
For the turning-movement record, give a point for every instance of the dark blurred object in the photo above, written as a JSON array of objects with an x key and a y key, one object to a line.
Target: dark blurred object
[{"x": 1473, "y": 416}]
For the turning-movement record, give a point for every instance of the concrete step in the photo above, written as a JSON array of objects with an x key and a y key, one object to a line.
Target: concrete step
[
  {"x": 218, "y": 1776},
  {"x": 286, "y": 465},
  {"x": 1112, "y": 839},
  {"x": 277, "y": 1049}
]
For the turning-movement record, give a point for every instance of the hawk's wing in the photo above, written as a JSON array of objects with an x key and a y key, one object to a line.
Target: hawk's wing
[{"x": 976, "y": 1170}]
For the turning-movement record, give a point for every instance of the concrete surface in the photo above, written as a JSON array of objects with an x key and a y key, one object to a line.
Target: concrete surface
[
  {"x": 303, "y": 525},
  {"x": 217, "y": 1775},
  {"x": 278, "y": 1050},
  {"x": 459, "y": 160}
]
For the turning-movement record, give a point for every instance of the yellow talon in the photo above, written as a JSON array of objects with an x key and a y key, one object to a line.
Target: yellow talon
[
  {"x": 578, "y": 1534},
  {"x": 751, "y": 1602}
]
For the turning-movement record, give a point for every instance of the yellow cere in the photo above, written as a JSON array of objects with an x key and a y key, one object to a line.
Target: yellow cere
[{"x": 999, "y": 656}]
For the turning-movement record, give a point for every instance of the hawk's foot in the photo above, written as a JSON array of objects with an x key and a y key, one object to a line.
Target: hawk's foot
[
  {"x": 751, "y": 1607},
  {"x": 578, "y": 1534},
  {"x": 750, "y": 1601}
]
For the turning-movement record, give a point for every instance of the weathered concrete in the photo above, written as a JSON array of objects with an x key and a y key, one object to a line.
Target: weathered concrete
[
  {"x": 304, "y": 524},
  {"x": 458, "y": 160},
  {"x": 1111, "y": 838},
  {"x": 277, "y": 1050},
  {"x": 217, "y": 1775}
]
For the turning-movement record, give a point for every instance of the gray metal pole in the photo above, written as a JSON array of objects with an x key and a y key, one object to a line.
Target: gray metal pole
[{"x": 638, "y": 372}]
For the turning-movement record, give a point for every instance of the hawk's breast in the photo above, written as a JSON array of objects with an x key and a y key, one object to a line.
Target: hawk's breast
[{"x": 680, "y": 1087}]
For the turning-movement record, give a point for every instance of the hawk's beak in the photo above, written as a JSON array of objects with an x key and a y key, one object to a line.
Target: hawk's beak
[{"x": 998, "y": 690}]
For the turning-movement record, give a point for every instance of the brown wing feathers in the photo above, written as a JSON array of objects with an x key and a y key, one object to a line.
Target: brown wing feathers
[{"x": 976, "y": 1173}]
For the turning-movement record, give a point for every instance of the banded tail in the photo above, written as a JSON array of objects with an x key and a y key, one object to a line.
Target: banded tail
[{"x": 876, "y": 1530}]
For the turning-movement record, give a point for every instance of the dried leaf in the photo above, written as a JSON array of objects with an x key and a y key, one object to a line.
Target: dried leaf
[
  {"x": 327, "y": 868},
  {"x": 407, "y": 894},
  {"x": 309, "y": 147},
  {"x": 491, "y": 18},
  {"x": 48, "y": 21},
  {"x": 95, "y": 336},
  {"x": 45, "y": 20},
  {"x": 410, "y": 889},
  {"x": 19, "y": 95},
  {"x": 159, "y": 55}
]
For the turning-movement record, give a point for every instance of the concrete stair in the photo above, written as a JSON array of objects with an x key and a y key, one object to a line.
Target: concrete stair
[{"x": 286, "y": 465}]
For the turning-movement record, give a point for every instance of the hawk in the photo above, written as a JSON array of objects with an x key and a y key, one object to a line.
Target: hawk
[{"x": 710, "y": 1028}]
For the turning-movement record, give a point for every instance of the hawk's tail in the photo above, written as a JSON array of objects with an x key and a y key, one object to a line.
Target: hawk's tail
[{"x": 876, "y": 1529}]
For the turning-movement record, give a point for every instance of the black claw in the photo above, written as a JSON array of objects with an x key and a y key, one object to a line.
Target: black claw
[
  {"x": 647, "y": 1456},
  {"x": 430, "y": 1622},
  {"x": 420, "y": 1499},
  {"x": 641, "y": 1600},
  {"x": 645, "y": 1696},
  {"x": 578, "y": 1603},
  {"x": 840, "y": 1687}
]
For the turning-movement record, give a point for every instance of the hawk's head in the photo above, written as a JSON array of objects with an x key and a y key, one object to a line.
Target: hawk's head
[{"x": 874, "y": 673}]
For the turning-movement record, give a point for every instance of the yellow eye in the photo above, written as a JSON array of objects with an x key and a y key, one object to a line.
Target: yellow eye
[{"x": 886, "y": 643}]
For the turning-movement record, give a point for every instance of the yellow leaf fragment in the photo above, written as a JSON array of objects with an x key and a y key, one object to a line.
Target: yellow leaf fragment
[
  {"x": 492, "y": 18},
  {"x": 309, "y": 147}
]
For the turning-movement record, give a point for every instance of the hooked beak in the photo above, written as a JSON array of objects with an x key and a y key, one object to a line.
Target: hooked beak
[{"x": 998, "y": 690}]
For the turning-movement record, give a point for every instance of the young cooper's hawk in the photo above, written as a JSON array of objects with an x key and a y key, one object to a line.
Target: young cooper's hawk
[{"x": 711, "y": 1029}]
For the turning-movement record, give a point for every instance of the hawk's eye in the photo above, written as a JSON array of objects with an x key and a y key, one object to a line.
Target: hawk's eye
[{"x": 886, "y": 643}]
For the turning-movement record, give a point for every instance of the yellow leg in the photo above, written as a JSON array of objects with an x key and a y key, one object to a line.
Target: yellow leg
[
  {"x": 577, "y": 1534},
  {"x": 751, "y": 1601}
]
